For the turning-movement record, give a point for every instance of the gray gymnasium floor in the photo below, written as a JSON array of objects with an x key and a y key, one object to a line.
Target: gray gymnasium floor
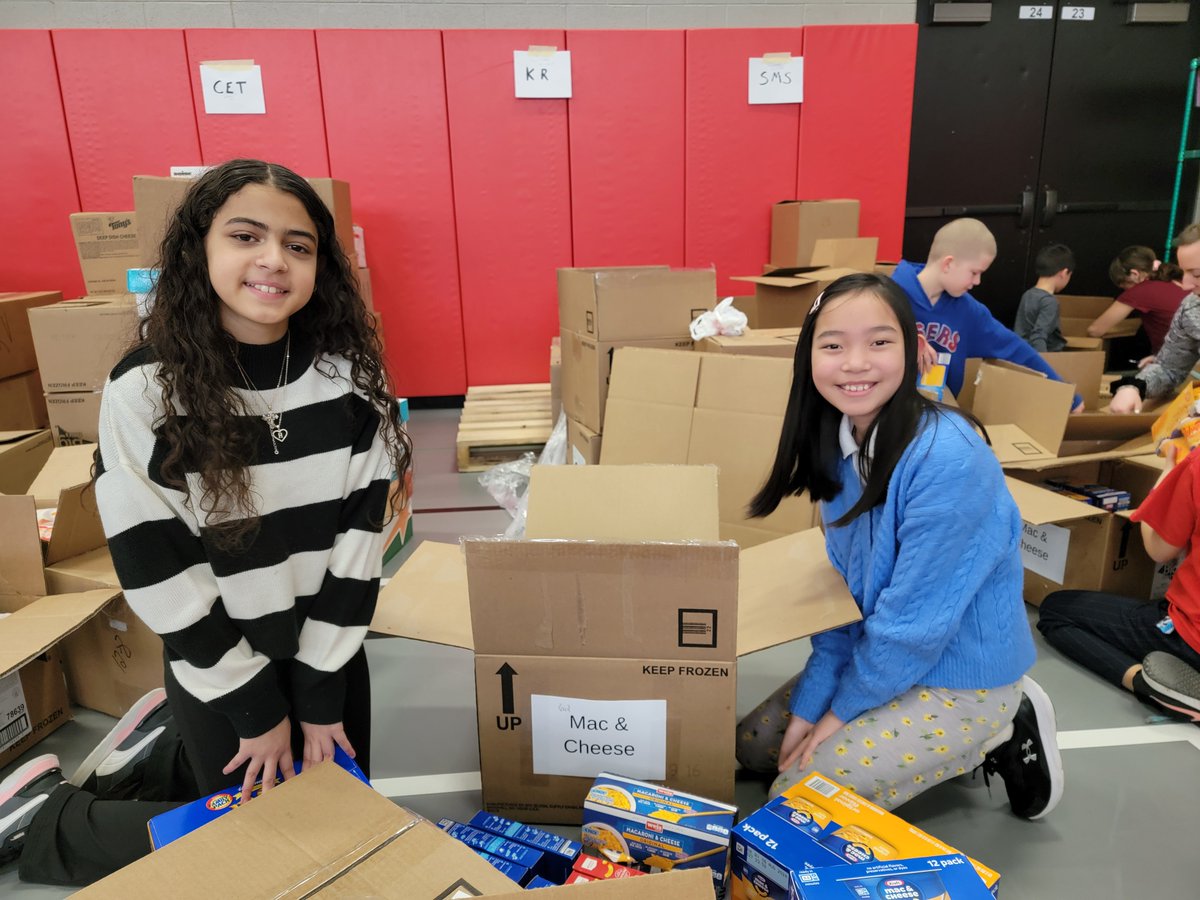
[{"x": 1126, "y": 827}]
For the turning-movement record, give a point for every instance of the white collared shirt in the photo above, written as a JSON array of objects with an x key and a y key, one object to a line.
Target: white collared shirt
[{"x": 850, "y": 446}]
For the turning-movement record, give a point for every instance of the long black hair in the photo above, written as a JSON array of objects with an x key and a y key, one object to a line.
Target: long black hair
[{"x": 809, "y": 449}]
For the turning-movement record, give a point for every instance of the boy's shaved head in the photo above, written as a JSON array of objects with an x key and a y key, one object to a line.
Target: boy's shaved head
[{"x": 963, "y": 239}]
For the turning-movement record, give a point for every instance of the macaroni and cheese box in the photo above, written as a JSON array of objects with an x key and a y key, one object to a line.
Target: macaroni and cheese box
[
  {"x": 928, "y": 878},
  {"x": 558, "y": 853},
  {"x": 816, "y": 824},
  {"x": 172, "y": 825},
  {"x": 537, "y": 881},
  {"x": 626, "y": 820},
  {"x": 492, "y": 844},
  {"x": 517, "y": 873},
  {"x": 596, "y": 869}
]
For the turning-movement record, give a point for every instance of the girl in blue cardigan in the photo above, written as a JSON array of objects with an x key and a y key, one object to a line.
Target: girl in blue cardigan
[{"x": 929, "y": 685}]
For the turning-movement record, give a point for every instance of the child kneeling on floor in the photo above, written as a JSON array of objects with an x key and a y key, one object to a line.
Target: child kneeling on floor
[{"x": 929, "y": 685}]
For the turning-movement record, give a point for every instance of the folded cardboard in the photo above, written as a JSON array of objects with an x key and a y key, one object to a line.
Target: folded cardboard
[
  {"x": 326, "y": 834},
  {"x": 797, "y": 225},
  {"x": 107, "y": 244},
  {"x": 857, "y": 253},
  {"x": 587, "y": 369},
  {"x": 620, "y": 606},
  {"x": 22, "y": 404},
  {"x": 634, "y": 303},
  {"x": 79, "y": 341},
  {"x": 23, "y": 453},
  {"x": 725, "y": 410},
  {"x": 16, "y": 342},
  {"x": 755, "y": 342},
  {"x": 583, "y": 444},
  {"x": 74, "y": 417},
  {"x": 783, "y": 298}
]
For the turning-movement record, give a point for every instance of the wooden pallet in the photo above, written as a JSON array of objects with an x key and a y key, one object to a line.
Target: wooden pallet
[{"x": 500, "y": 422}]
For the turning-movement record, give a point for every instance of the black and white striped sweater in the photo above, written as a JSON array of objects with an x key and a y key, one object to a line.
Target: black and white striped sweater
[{"x": 302, "y": 589}]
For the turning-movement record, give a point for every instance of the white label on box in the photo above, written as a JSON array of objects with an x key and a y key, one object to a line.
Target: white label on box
[
  {"x": 579, "y": 737},
  {"x": 1037, "y": 12},
  {"x": 542, "y": 75},
  {"x": 1163, "y": 573},
  {"x": 232, "y": 89},
  {"x": 188, "y": 171},
  {"x": 14, "y": 714},
  {"x": 1079, "y": 13},
  {"x": 777, "y": 81},
  {"x": 1044, "y": 550}
]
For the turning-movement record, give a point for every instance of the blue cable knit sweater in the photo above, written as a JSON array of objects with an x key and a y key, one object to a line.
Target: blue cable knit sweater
[{"x": 935, "y": 570}]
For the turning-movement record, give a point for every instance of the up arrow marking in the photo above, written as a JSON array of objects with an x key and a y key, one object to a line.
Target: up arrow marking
[{"x": 506, "y": 673}]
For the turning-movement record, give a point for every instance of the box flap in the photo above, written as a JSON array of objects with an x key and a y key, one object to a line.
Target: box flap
[
  {"x": 12, "y": 437},
  {"x": 1013, "y": 446},
  {"x": 744, "y": 384},
  {"x": 787, "y": 589},
  {"x": 674, "y": 375},
  {"x": 1038, "y": 465},
  {"x": 817, "y": 275},
  {"x": 426, "y": 599},
  {"x": 77, "y": 527},
  {"x": 21, "y": 575},
  {"x": 35, "y": 628},
  {"x": 324, "y": 833},
  {"x": 623, "y": 503},
  {"x": 1039, "y": 506},
  {"x": 22, "y": 456},
  {"x": 1091, "y": 426},
  {"x": 1037, "y": 405},
  {"x": 1082, "y": 369},
  {"x": 852, "y": 253},
  {"x": 94, "y": 568},
  {"x": 66, "y": 468}
]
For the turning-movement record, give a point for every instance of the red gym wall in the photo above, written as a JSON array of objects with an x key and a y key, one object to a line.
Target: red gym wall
[{"x": 470, "y": 199}]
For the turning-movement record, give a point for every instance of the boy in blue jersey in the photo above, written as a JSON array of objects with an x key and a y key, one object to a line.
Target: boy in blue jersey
[{"x": 953, "y": 322}]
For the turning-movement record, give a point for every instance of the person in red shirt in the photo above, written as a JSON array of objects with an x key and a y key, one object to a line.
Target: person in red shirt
[
  {"x": 1151, "y": 649},
  {"x": 1148, "y": 286}
]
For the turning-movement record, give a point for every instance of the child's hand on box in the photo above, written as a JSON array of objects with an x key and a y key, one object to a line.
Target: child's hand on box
[
  {"x": 264, "y": 755},
  {"x": 319, "y": 741}
]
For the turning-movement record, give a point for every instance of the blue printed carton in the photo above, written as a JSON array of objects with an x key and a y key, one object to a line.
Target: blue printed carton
[
  {"x": 949, "y": 877},
  {"x": 558, "y": 853},
  {"x": 519, "y": 874},
  {"x": 632, "y": 821},
  {"x": 174, "y": 824},
  {"x": 537, "y": 881},
  {"x": 492, "y": 844}
]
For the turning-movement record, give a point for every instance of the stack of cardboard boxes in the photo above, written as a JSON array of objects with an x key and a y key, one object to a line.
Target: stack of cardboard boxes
[
  {"x": 21, "y": 403},
  {"x": 600, "y": 310}
]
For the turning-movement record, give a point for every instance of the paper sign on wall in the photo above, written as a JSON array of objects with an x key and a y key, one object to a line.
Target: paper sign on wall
[
  {"x": 232, "y": 87},
  {"x": 777, "y": 78},
  {"x": 542, "y": 72},
  {"x": 572, "y": 736},
  {"x": 1044, "y": 550}
]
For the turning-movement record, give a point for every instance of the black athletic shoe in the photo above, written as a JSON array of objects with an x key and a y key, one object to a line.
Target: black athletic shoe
[
  {"x": 21, "y": 795},
  {"x": 1029, "y": 762},
  {"x": 114, "y": 769},
  {"x": 1172, "y": 684}
]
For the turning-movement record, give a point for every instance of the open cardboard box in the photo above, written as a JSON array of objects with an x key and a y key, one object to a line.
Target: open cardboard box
[
  {"x": 1076, "y": 312},
  {"x": 326, "y": 834},
  {"x": 621, "y": 604},
  {"x": 783, "y": 297}
]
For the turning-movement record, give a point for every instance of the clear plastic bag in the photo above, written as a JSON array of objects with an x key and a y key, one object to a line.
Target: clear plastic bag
[
  {"x": 724, "y": 318},
  {"x": 508, "y": 483}
]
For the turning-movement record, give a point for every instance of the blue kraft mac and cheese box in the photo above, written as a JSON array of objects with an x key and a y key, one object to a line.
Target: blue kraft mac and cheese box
[
  {"x": 633, "y": 821},
  {"x": 172, "y": 825},
  {"x": 492, "y": 844},
  {"x": 932, "y": 878},
  {"x": 558, "y": 853},
  {"x": 519, "y": 874},
  {"x": 537, "y": 881}
]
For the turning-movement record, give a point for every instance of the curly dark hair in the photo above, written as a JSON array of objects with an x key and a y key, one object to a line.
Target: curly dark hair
[{"x": 194, "y": 351}]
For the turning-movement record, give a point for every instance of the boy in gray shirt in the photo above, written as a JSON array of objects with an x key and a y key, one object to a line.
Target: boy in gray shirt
[{"x": 1037, "y": 316}]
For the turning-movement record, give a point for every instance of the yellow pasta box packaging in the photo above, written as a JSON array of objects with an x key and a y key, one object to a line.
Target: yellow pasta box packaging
[
  {"x": 634, "y": 821},
  {"x": 818, "y": 823}
]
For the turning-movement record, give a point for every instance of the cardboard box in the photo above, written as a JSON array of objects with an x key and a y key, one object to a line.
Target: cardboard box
[
  {"x": 633, "y": 304},
  {"x": 555, "y": 378},
  {"x": 16, "y": 342},
  {"x": 33, "y": 700},
  {"x": 1071, "y": 544},
  {"x": 583, "y": 445},
  {"x": 783, "y": 298},
  {"x": 725, "y": 410},
  {"x": 1077, "y": 312},
  {"x": 364, "y": 288},
  {"x": 74, "y": 417},
  {"x": 78, "y": 342},
  {"x": 23, "y": 453},
  {"x": 107, "y": 244},
  {"x": 857, "y": 253},
  {"x": 558, "y": 853},
  {"x": 755, "y": 342},
  {"x": 587, "y": 369},
  {"x": 621, "y": 600},
  {"x": 797, "y": 225},
  {"x": 335, "y": 837},
  {"x": 818, "y": 824},
  {"x": 933, "y": 876},
  {"x": 155, "y": 200},
  {"x": 21, "y": 402}
]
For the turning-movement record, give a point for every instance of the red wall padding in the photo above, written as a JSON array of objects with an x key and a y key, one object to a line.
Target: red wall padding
[
  {"x": 385, "y": 112},
  {"x": 37, "y": 180},
  {"x": 512, "y": 205},
  {"x": 858, "y": 96},
  {"x": 293, "y": 130},
  {"x": 128, "y": 103},
  {"x": 627, "y": 140},
  {"x": 740, "y": 158}
]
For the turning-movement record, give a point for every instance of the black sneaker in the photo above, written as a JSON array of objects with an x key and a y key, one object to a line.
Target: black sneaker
[
  {"x": 114, "y": 769},
  {"x": 1029, "y": 761},
  {"x": 21, "y": 795},
  {"x": 1172, "y": 684}
]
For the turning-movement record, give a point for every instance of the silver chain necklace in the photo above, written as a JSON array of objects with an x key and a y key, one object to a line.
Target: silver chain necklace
[{"x": 273, "y": 419}]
